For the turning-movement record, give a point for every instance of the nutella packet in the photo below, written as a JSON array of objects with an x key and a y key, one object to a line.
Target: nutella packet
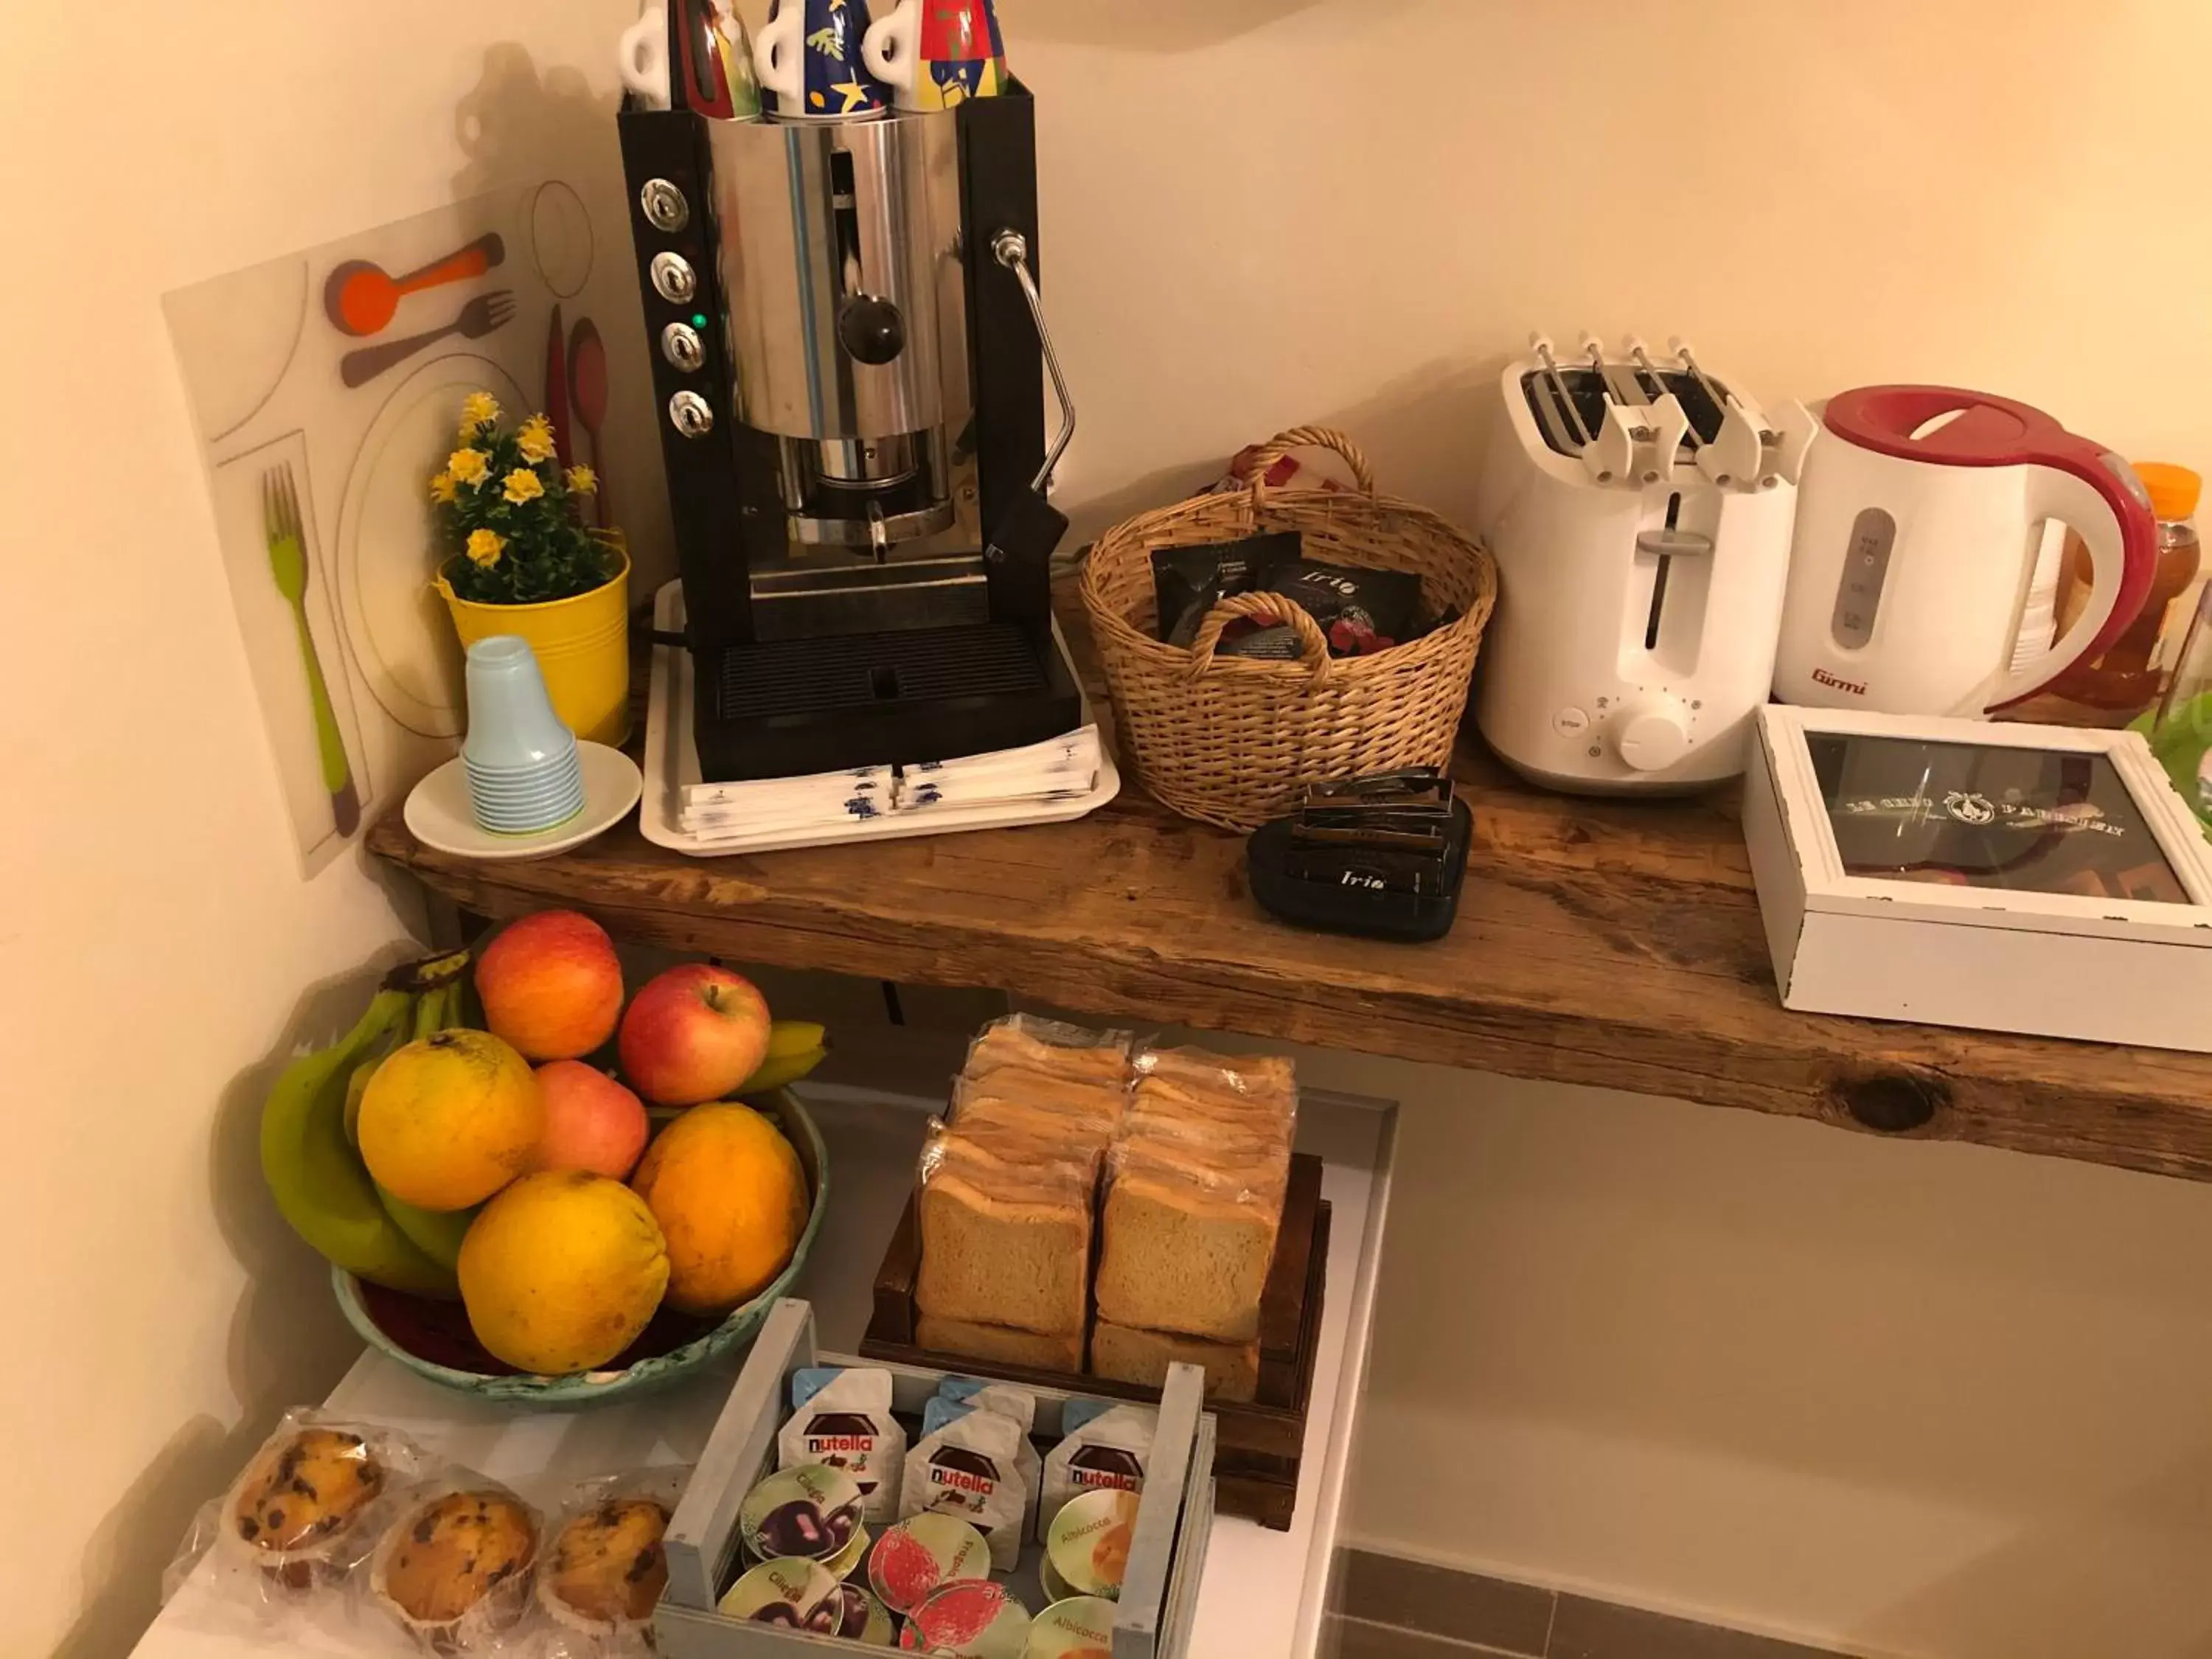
[
  {"x": 1105, "y": 1449},
  {"x": 1008, "y": 1402},
  {"x": 969, "y": 1463},
  {"x": 843, "y": 1418}
]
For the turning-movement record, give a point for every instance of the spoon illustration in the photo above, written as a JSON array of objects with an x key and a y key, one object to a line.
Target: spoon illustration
[
  {"x": 588, "y": 387},
  {"x": 361, "y": 298}
]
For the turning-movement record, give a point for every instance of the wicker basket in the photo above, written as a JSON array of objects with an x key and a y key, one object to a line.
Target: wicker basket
[{"x": 1230, "y": 741}]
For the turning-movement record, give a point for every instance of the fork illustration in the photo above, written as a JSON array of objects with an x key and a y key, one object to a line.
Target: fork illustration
[
  {"x": 287, "y": 563},
  {"x": 478, "y": 318}
]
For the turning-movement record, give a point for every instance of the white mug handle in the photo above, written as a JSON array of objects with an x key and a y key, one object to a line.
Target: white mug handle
[
  {"x": 778, "y": 60},
  {"x": 891, "y": 47},
  {"x": 641, "y": 59}
]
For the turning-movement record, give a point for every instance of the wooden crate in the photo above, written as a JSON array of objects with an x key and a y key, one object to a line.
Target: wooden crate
[
  {"x": 1167, "y": 1551},
  {"x": 1257, "y": 1462}
]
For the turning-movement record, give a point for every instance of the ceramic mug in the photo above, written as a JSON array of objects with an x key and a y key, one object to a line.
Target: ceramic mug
[
  {"x": 936, "y": 54},
  {"x": 810, "y": 62},
  {"x": 642, "y": 60}
]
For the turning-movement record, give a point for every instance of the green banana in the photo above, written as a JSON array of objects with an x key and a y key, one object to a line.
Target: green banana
[
  {"x": 437, "y": 1234},
  {"x": 313, "y": 1170}
]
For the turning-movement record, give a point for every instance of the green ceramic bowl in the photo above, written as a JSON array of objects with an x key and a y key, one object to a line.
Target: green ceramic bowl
[{"x": 432, "y": 1339}]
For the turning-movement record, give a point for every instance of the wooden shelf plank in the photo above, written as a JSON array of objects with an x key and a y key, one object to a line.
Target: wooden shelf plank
[{"x": 1610, "y": 944}]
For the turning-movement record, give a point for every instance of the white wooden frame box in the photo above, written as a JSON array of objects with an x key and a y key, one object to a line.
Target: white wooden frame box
[
  {"x": 2054, "y": 964},
  {"x": 1167, "y": 1550}
]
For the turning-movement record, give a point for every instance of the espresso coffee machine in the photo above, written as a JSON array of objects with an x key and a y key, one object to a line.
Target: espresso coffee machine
[{"x": 850, "y": 361}]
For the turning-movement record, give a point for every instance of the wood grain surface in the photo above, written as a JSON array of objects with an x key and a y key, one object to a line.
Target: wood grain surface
[{"x": 1606, "y": 942}]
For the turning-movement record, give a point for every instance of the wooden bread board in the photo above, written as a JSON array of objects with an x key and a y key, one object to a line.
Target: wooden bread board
[{"x": 1258, "y": 1446}]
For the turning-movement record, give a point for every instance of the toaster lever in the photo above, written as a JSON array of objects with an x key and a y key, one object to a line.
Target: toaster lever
[{"x": 1794, "y": 429}]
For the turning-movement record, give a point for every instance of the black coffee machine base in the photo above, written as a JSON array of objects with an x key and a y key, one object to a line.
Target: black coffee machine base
[{"x": 793, "y": 708}]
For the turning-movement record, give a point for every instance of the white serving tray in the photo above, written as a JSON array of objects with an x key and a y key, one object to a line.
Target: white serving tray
[
  {"x": 668, "y": 738},
  {"x": 2046, "y": 963}
]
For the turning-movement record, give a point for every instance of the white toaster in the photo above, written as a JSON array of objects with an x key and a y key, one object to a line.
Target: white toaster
[{"x": 1640, "y": 511}]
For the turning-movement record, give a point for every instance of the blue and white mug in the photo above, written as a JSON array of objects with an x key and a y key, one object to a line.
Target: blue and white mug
[{"x": 809, "y": 62}]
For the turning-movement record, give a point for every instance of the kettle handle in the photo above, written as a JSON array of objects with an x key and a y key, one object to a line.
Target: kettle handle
[{"x": 2091, "y": 491}]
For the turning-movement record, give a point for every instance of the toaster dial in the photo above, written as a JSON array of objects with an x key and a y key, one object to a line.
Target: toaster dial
[{"x": 1652, "y": 733}]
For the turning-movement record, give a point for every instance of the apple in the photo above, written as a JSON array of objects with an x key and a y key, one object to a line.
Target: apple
[
  {"x": 693, "y": 1034},
  {"x": 592, "y": 1122},
  {"x": 550, "y": 985}
]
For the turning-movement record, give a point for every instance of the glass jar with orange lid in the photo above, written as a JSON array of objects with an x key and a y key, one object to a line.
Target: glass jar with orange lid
[{"x": 2133, "y": 673}]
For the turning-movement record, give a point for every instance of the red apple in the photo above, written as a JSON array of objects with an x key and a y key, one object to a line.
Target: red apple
[
  {"x": 693, "y": 1034},
  {"x": 550, "y": 985},
  {"x": 592, "y": 1122}
]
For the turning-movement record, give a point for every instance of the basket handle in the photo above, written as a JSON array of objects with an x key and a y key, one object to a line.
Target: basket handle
[
  {"x": 1313, "y": 644},
  {"x": 1301, "y": 437}
]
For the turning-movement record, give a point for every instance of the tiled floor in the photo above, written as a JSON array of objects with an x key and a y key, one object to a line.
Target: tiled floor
[{"x": 1390, "y": 1609}]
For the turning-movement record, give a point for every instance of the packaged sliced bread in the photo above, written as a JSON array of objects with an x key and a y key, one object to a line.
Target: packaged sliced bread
[
  {"x": 1000, "y": 1344},
  {"x": 1004, "y": 1242},
  {"x": 1125, "y": 1355},
  {"x": 1067, "y": 1052},
  {"x": 1249, "y": 1076},
  {"x": 1186, "y": 1249}
]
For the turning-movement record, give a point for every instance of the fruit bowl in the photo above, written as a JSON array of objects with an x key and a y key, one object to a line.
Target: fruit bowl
[{"x": 432, "y": 1338}]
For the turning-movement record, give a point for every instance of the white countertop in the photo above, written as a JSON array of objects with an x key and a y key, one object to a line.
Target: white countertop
[{"x": 1262, "y": 1592}]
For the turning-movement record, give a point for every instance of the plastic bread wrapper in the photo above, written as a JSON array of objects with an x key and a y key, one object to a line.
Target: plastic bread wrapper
[
  {"x": 351, "y": 1476},
  {"x": 1010, "y": 1166},
  {"x": 1259, "y": 1081},
  {"x": 1255, "y": 1177},
  {"x": 1018, "y": 1099},
  {"x": 492, "y": 1624},
  {"x": 1068, "y": 1052},
  {"x": 565, "y": 1631}
]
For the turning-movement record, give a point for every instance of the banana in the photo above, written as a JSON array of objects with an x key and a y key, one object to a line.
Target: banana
[
  {"x": 790, "y": 1037},
  {"x": 775, "y": 1075},
  {"x": 437, "y": 1234},
  {"x": 313, "y": 1171}
]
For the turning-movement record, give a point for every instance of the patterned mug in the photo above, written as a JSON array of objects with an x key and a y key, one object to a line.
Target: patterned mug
[
  {"x": 808, "y": 61},
  {"x": 936, "y": 54}
]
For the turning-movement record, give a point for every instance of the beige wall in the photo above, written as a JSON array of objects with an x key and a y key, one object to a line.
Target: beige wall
[
  {"x": 1948, "y": 1403},
  {"x": 160, "y": 948}
]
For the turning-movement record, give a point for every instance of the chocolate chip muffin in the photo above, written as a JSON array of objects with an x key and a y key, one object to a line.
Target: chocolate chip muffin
[
  {"x": 459, "y": 1567},
  {"x": 607, "y": 1567},
  {"x": 299, "y": 1503}
]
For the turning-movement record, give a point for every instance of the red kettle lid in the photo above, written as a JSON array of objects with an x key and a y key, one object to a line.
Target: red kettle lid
[{"x": 1945, "y": 426}]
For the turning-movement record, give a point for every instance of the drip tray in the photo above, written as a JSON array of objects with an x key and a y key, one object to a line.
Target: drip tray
[
  {"x": 795, "y": 677},
  {"x": 791, "y": 708}
]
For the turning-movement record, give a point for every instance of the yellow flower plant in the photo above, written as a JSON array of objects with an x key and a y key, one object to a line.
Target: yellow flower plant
[{"x": 509, "y": 507}]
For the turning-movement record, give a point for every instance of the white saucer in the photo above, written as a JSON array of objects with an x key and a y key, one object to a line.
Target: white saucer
[{"x": 439, "y": 814}]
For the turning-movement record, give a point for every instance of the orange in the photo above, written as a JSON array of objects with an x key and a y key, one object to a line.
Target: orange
[{"x": 730, "y": 1198}]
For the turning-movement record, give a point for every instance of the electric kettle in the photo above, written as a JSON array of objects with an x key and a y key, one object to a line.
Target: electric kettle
[{"x": 1919, "y": 515}]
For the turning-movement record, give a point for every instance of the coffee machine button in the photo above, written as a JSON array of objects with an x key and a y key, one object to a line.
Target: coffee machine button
[
  {"x": 681, "y": 345},
  {"x": 674, "y": 279},
  {"x": 691, "y": 414},
  {"x": 871, "y": 330},
  {"x": 665, "y": 206}
]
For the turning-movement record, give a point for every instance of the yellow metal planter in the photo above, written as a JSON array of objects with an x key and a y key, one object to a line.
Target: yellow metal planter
[{"x": 582, "y": 645}]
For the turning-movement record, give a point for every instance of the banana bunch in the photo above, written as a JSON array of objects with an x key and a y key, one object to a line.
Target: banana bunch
[
  {"x": 308, "y": 1154},
  {"x": 795, "y": 1047}
]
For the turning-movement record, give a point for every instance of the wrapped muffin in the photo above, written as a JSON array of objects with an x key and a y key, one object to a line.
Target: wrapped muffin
[
  {"x": 455, "y": 1570},
  {"x": 607, "y": 1564},
  {"x": 303, "y": 1513}
]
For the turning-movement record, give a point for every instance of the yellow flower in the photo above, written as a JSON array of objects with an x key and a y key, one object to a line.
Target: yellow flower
[
  {"x": 535, "y": 440},
  {"x": 443, "y": 488},
  {"x": 485, "y": 546},
  {"x": 478, "y": 408},
  {"x": 468, "y": 466},
  {"x": 582, "y": 481},
  {"x": 523, "y": 485}
]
